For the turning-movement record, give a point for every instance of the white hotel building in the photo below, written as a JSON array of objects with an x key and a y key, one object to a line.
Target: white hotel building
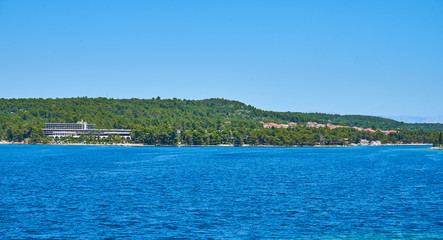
[{"x": 59, "y": 130}]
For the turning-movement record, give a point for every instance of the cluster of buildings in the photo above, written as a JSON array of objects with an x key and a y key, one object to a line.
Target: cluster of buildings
[
  {"x": 372, "y": 130},
  {"x": 321, "y": 125},
  {"x": 328, "y": 125},
  {"x": 275, "y": 125},
  {"x": 59, "y": 130},
  {"x": 364, "y": 142}
]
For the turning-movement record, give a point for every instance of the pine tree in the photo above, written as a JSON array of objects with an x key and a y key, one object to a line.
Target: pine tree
[{"x": 440, "y": 140}]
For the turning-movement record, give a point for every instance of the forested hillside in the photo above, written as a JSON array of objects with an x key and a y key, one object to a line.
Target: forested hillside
[
  {"x": 371, "y": 121},
  {"x": 201, "y": 122},
  {"x": 127, "y": 113}
]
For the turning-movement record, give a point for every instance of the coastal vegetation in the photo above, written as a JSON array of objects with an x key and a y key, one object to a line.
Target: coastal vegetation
[
  {"x": 438, "y": 142},
  {"x": 197, "y": 122},
  {"x": 374, "y": 122}
]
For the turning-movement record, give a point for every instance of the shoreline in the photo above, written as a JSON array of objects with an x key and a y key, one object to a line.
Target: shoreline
[{"x": 221, "y": 145}]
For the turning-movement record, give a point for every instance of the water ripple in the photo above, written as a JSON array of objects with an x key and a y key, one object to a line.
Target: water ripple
[{"x": 63, "y": 192}]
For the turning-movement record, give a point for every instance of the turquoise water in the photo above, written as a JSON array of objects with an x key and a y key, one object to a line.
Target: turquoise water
[{"x": 97, "y": 192}]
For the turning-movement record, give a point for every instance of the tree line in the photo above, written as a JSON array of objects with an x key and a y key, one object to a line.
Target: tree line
[
  {"x": 188, "y": 122},
  {"x": 298, "y": 136}
]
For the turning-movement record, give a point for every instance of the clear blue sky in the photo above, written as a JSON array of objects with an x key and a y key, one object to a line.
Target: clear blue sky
[{"x": 381, "y": 58}]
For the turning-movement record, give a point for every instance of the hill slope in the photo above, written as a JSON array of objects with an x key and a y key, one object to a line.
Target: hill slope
[
  {"x": 370, "y": 121},
  {"x": 181, "y": 114},
  {"x": 201, "y": 122}
]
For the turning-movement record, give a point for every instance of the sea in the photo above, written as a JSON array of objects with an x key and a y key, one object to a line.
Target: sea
[{"x": 114, "y": 192}]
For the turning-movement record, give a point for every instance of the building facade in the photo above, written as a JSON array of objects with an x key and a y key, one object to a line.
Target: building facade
[{"x": 59, "y": 130}]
